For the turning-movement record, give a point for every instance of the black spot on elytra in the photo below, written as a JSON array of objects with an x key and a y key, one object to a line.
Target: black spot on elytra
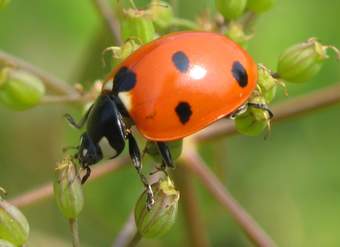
[
  {"x": 240, "y": 74},
  {"x": 124, "y": 80},
  {"x": 183, "y": 111},
  {"x": 181, "y": 61}
]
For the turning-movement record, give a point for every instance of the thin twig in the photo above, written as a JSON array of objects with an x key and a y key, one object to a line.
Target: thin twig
[
  {"x": 292, "y": 108},
  {"x": 194, "y": 225},
  {"x": 46, "y": 191},
  {"x": 52, "y": 83},
  {"x": 135, "y": 240},
  {"x": 52, "y": 99},
  {"x": 196, "y": 165},
  {"x": 75, "y": 232},
  {"x": 105, "y": 10},
  {"x": 127, "y": 233}
]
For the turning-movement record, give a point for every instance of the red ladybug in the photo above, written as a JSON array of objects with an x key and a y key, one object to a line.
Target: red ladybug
[{"x": 169, "y": 89}]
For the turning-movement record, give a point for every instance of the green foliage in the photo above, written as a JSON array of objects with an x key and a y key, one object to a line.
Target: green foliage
[
  {"x": 13, "y": 224},
  {"x": 259, "y": 6},
  {"x": 3, "y": 3}
]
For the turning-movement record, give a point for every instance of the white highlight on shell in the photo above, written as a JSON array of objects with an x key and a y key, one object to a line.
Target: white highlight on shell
[
  {"x": 126, "y": 99},
  {"x": 197, "y": 72}
]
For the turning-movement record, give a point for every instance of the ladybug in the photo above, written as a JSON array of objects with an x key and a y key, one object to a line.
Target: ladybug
[{"x": 169, "y": 89}]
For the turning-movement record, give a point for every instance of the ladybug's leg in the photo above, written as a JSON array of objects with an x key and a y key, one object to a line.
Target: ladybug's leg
[
  {"x": 87, "y": 174},
  {"x": 82, "y": 121},
  {"x": 137, "y": 162},
  {"x": 166, "y": 155},
  {"x": 262, "y": 107}
]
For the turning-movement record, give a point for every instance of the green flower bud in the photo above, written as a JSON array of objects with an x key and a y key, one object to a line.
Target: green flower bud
[
  {"x": 231, "y": 9},
  {"x": 3, "y": 3},
  {"x": 20, "y": 90},
  {"x": 259, "y": 6},
  {"x": 161, "y": 13},
  {"x": 254, "y": 120},
  {"x": 68, "y": 190},
  {"x": 119, "y": 53},
  {"x": 14, "y": 227},
  {"x": 4, "y": 243},
  {"x": 175, "y": 148},
  {"x": 137, "y": 24},
  {"x": 160, "y": 218},
  {"x": 236, "y": 33},
  {"x": 303, "y": 61},
  {"x": 267, "y": 83}
]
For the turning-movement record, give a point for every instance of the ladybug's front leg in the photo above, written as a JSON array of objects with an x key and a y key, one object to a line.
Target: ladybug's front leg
[
  {"x": 137, "y": 162},
  {"x": 82, "y": 121}
]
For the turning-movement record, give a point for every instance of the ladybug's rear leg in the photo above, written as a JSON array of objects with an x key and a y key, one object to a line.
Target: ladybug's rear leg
[{"x": 137, "y": 162}]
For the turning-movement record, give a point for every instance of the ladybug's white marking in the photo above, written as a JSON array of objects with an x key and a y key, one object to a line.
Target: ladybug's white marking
[
  {"x": 108, "y": 85},
  {"x": 84, "y": 152},
  {"x": 197, "y": 72},
  {"x": 126, "y": 99},
  {"x": 107, "y": 150}
]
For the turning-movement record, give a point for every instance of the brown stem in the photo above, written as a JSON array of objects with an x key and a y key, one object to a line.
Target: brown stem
[
  {"x": 292, "y": 108},
  {"x": 46, "y": 191},
  {"x": 127, "y": 233},
  {"x": 135, "y": 240},
  {"x": 52, "y": 99},
  {"x": 196, "y": 165},
  {"x": 52, "y": 83},
  {"x": 194, "y": 225},
  {"x": 105, "y": 10},
  {"x": 75, "y": 232}
]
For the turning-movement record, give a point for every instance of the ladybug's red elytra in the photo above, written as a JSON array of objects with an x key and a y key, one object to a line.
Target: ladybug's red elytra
[{"x": 169, "y": 89}]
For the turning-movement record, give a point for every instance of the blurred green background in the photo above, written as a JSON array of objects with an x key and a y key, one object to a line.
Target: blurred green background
[{"x": 290, "y": 182}]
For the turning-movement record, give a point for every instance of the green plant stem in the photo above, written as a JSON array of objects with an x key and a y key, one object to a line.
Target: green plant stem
[
  {"x": 135, "y": 240},
  {"x": 196, "y": 165},
  {"x": 75, "y": 232},
  {"x": 184, "y": 23},
  {"x": 51, "y": 82},
  {"x": 194, "y": 226}
]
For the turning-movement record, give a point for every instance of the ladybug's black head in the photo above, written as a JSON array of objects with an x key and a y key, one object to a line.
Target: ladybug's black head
[{"x": 89, "y": 153}]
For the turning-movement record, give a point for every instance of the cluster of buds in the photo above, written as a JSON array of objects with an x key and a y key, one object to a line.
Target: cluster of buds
[
  {"x": 14, "y": 228},
  {"x": 20, "y": 90},
  {"x": 297, "y": 64}
]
